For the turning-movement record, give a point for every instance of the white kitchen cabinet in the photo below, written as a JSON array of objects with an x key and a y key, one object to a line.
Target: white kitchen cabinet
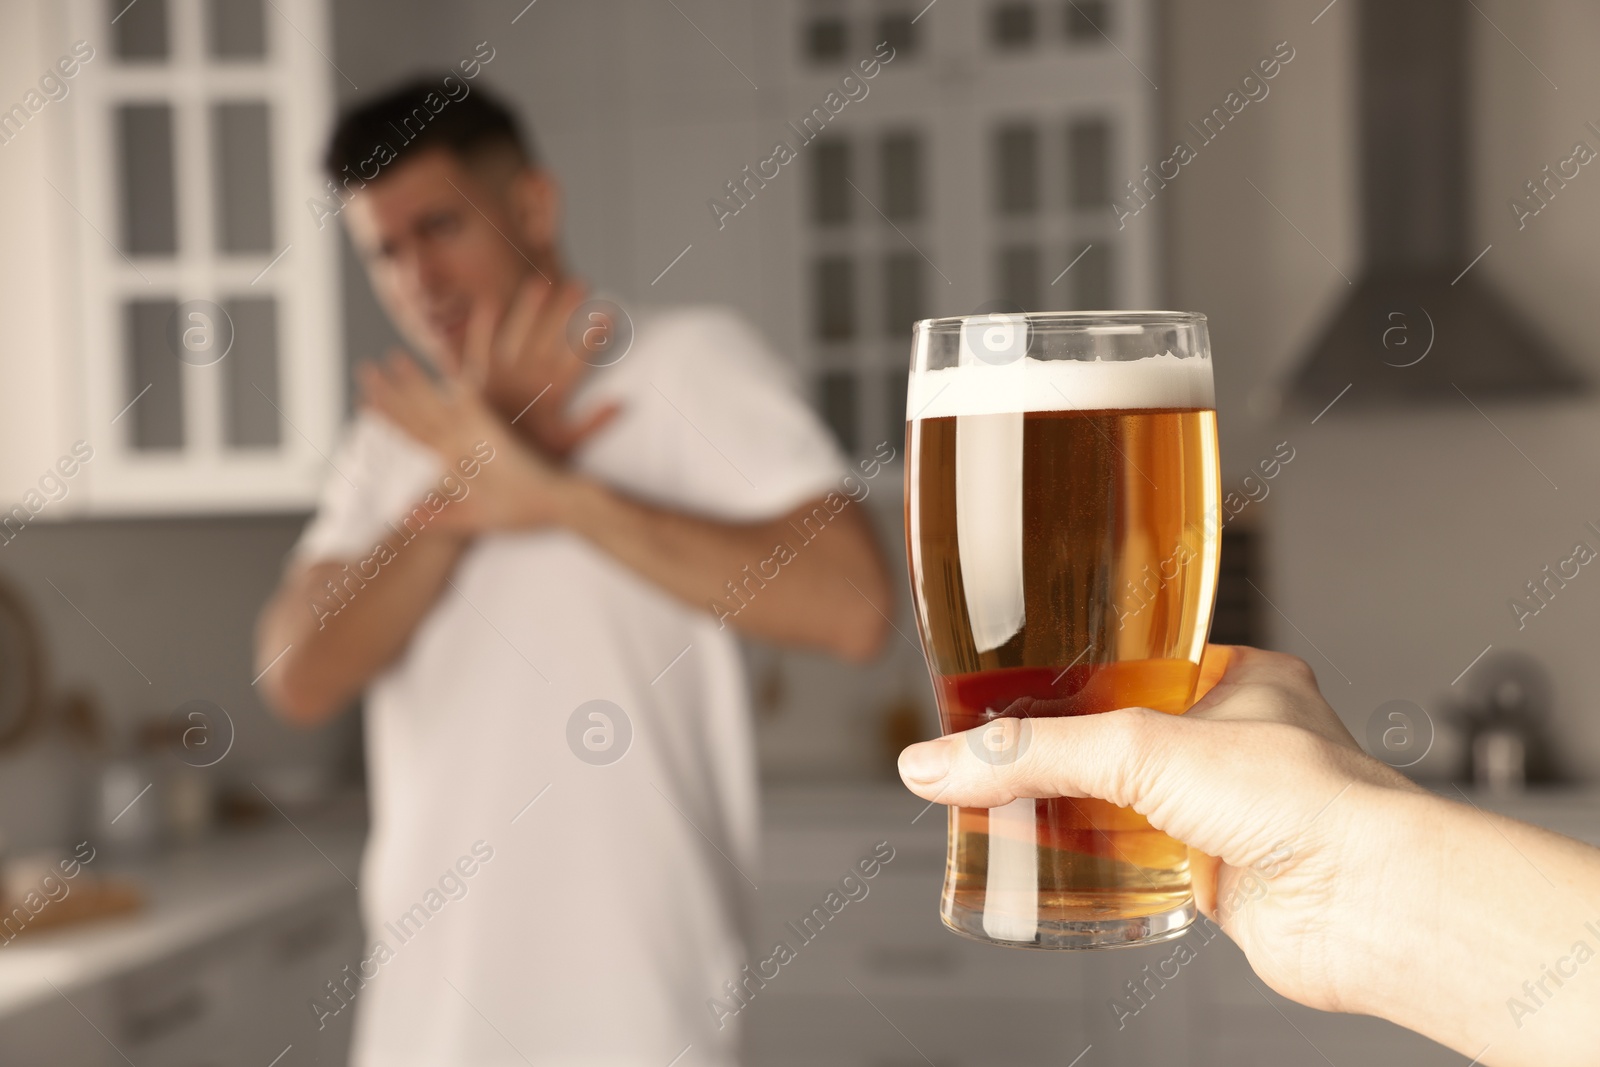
[
  {"x": 977, "y": 166},
  {"x": 176, "y": 1012},
  {"x": 242, "y": 997},
  {"x": 246, "y": 997},
  {"x": 286, "y": 962},
  {"x": 55, "y": 1033},
  {"x": 171, "y": 306},
  {"x": 236, "y": 937}
]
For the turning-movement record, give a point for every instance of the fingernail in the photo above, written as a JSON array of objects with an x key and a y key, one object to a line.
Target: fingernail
[{"x": 927, "y": 761}]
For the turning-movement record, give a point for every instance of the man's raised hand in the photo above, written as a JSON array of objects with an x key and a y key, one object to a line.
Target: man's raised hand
[
  {"x": 515, "y": 487},
  {"x": 528, "y": 360}
]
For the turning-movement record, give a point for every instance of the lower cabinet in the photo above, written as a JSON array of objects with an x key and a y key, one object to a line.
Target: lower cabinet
[
  {"x": 866, "y": 976},
  {"x": 243, "y": 998},
  {"x": 283, "y": 966},
  {"x": 53, "y": 1032},
  {"x": 882, "y": 983}
]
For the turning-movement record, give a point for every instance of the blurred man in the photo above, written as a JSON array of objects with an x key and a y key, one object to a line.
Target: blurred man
[{"x": 532, "y": 562}]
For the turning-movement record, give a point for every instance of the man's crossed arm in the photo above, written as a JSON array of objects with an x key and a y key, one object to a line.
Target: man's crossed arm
[{"x": 832, "y": 592}]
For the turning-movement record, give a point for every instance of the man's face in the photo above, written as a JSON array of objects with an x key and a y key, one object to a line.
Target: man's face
[{"x": 437, "y": 240}]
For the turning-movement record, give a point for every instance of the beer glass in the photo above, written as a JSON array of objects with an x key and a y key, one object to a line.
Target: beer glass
[{"x": 1062, "y": 531}]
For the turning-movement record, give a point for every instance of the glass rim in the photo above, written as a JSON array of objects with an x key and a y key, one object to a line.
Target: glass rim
[{"x": 1068, "y": 319}]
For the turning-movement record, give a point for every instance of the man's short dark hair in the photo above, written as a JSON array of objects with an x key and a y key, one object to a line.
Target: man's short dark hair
[{"x": 427, "y": 112}]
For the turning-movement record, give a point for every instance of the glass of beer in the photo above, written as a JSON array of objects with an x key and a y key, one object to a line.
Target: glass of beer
[{"x": 1062, "y": 531}]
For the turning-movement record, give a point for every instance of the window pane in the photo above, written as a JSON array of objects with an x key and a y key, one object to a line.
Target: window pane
[
  {"x": 1087, "y": 20},
  {"x": 1089, "y": 163},
  {"x": 894, "y": 385},
  {"x": 900, "y": 159},
  {"x": 902, "y": 293},
  {"x": 149, "y": 210},
  {"x": 1012, "y": 25},
  {"x": 826, "y": 39},
  {"x": 157, "y": 417},
  {"x": 835, "y": 281},
  {"x": 237, "y": 29},
  {"x": 1017, "y": 169},
  {"x": 837, "y": 391},
  {"x": 250, "y": 373},
  {"x": 1091, "y": 279},
  {"x": 243, "y": 170},
  {"x": 830, "y": 182},
  {"x": 139, "y": 29},
  {"x": 898, "y": 31},
  {"x": 1019, "y": 276}
]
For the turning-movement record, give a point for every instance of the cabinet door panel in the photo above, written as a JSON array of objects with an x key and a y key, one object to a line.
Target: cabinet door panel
[
  {"x": 56, "y": 1032},
  {"x": 286, "y": 962}
]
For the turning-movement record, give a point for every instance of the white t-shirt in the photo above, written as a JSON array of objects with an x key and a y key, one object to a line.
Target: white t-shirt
[{"x": 592, "y": 926}]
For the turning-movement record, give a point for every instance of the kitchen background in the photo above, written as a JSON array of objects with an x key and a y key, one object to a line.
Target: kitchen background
[{"x": 1388, "y": 552}]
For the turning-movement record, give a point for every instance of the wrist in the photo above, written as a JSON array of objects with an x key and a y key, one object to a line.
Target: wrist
[
  {"x": 576, "y": 501},
  {"x": 445, "y": 539},
  {"x": 1388, "y": 923}
]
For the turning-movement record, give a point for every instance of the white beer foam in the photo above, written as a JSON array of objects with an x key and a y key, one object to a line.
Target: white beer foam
[{"x": 977, "y": 388}]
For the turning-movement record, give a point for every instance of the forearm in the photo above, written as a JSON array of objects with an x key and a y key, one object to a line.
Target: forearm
[
  {"x": 824, "y": 587},
  {"x": 336, "y": 629},
  {"x": 1476, "y": 939}
]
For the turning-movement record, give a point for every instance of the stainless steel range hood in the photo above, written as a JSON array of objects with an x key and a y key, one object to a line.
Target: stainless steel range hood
[{"x": 1413, "y": 296}]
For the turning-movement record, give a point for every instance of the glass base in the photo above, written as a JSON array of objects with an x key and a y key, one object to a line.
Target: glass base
[{"x": 1078, "y": 934}]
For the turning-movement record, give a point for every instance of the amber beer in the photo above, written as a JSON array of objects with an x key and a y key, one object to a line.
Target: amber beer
[{"x": 1062, "y": 532}]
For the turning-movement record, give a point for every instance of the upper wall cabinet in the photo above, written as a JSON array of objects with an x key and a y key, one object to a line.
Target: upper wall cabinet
[
  {"x": 959, "y": 158},
  {"x": 171, "y": 306}
]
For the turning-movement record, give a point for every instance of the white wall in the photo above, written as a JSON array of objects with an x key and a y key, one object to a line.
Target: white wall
[
  {"x": 1264, "y": 286},
  {"x": 1397, "y": 539},
  {"x": 35, "y": 404}
]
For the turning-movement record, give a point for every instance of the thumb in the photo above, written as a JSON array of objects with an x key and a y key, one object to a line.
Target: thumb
[
  {"x": 1084, "y": 755},
  {"x": 1117, "y": 756}
]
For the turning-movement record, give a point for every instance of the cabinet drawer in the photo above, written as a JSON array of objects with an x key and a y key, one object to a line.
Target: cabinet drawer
[
  {"x": 175, "y": 1012},
  {"x": 892, "y": 942},
  {"x": 897, "y": 1032}
]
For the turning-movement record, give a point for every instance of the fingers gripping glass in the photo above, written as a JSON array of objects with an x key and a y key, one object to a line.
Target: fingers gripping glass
[{"x": 1062, "y": 530}]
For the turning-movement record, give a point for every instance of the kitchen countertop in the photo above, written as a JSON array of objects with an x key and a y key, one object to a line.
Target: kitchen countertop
[
  {"x": 192, "y": 894},
  {"x": 226, "y": 883}
]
